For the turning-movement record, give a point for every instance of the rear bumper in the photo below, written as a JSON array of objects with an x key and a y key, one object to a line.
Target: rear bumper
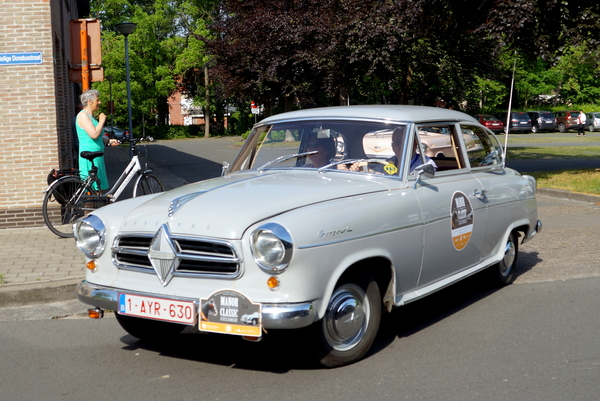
[
  {"x": 274, "y": 316},
  {"x": 547, "y": 127},
  {"x": 521, "y": 128}
]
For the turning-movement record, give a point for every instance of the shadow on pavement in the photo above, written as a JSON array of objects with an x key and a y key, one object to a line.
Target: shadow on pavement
[{"x": 187, "y": 166}]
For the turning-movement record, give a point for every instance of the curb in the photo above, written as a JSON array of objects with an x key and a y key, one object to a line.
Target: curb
[
  {"x": 30, "y": 294},
  {"x": 563, "y": 194}
]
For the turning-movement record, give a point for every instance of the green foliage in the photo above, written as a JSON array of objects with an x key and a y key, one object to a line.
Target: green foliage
[
  {"x": 240, "y": 122},
  {"x": 175, "y": 131},
  {"x": 298, "y": 54}
]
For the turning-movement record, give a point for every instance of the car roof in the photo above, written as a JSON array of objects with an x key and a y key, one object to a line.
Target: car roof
[{"x": 377, "y": 112}]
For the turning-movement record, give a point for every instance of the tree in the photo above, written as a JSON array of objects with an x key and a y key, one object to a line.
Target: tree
[
  {"x": 193, "y": 63},
  {"x": 366, "y": 50},
  {"x": 152, "y": 50},
  {"x": 306, "y": 52}
]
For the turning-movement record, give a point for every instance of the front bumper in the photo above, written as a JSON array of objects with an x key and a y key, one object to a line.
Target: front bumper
[
  {"x": 538, "y": 229},
  {"x": 274, "y": 316}
]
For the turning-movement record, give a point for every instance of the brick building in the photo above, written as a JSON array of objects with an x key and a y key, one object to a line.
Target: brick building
[
  {"x": 182, "y": 110},
  {"x": 37, "y": 102}
]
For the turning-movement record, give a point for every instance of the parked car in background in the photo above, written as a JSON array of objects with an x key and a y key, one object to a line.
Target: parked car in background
[
  {"x": 542, "y": 121},
  {"x": 519, "y": 121},
  {"x": 293, "y": 237},
  {"x": 490, "y": 122},
  {"x": 593, "y": 121},
  {"x": 116, "y": 133},
  {"x": 567, "y": 120}
]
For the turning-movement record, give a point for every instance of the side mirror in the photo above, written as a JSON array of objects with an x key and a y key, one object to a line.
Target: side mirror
[
  {"x": 224, "y": 169},
  {"x": 424, "y": 169}
]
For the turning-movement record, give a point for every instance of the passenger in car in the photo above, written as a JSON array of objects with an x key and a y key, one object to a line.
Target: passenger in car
[
  {"x": 325, "y": 147},
  {"x": 415, "y": 161}
]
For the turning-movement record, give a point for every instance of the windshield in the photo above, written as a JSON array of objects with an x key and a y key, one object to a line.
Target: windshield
[{"x": 325, "y": 141}]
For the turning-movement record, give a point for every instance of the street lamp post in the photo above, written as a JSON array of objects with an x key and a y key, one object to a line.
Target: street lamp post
[
  {"x": 127, "y": 28},
  {"x": 111, "y": 105}
]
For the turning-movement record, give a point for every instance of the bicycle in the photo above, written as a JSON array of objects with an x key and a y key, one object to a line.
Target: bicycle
[{"x": 69, "y": 197}]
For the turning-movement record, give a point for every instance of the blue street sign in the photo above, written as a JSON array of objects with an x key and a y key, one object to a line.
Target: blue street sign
[{"x": 20, "y": 58}]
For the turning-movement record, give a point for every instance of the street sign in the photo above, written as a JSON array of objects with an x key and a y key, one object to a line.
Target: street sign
[{"x": 20, "y": 58}]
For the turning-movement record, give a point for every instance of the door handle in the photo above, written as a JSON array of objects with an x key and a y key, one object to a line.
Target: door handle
[{"x": 480, "y": 194}]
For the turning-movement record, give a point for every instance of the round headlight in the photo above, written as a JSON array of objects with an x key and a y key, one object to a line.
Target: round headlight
[
  {"x": 271, "y": 247},
  {"x": 90, "y": 236}
]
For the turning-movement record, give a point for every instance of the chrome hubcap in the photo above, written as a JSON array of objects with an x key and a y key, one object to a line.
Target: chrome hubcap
[
  {"x": 509, "y": 258},
  {"x": 347, "y": 317}
]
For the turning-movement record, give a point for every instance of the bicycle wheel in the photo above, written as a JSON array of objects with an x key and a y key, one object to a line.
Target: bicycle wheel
[
  {"x": 146, "y": 184},
  {"x": 58, "y": 208}
]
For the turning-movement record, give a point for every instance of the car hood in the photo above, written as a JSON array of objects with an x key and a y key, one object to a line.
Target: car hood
[{"x": 225, "y": 207}]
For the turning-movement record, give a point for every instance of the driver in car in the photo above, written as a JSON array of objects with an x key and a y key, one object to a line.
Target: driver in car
[{"x": 391, "y": 168}]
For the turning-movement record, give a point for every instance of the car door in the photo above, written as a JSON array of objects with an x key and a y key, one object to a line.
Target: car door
[{"x": 455, "y": 219}]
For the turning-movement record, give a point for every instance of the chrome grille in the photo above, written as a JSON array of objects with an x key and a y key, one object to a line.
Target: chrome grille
[{"x": 197, "y": 256}]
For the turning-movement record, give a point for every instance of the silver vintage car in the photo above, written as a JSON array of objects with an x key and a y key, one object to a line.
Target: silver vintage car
[{"x": 326, "y": 218}]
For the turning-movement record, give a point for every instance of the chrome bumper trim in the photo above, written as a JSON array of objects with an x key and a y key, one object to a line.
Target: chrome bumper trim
[
  {"x": 538, "y": 229},
  {"x": 274, "y": 316}
]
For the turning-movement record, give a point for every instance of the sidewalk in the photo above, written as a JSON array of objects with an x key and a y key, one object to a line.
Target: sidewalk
[{"x": 37, "y": 267}]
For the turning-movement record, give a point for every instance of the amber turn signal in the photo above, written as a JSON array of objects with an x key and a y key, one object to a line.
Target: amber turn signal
[
  {"x": 273, "y": 282},
  {"x": 95, "y": 313},
  {"x": 91, "y": 265}
]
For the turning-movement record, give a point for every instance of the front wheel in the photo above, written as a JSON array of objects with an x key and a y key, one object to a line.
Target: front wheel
[
  {"x": 351, "y": 321},
  {"x": 146, "y": 184},
  {"x": 58, "y": 207},
  {"x": 561, "y": 128},
  {"x": 503, "y": 272}
]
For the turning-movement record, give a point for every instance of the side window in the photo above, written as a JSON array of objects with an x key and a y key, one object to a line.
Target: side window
[
  {"x": 482, "y": 148},
  {"x": 440, "y": 144}
]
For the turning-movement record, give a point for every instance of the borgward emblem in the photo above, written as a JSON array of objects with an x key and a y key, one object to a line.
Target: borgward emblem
[
  {"x": 162, "y": 255},
  {"x": 182, "y": 200}
]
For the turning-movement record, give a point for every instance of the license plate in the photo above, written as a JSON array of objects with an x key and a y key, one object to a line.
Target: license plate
[
  {"x": 167, "y": 310},
  {"x": 523, "y": 122}
]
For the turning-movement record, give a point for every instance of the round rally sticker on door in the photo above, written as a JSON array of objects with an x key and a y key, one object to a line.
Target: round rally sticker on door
[{"x": 462, "y": 220}]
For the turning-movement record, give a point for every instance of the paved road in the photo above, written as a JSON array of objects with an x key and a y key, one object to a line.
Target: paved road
[{"x": 534, "y": 341}]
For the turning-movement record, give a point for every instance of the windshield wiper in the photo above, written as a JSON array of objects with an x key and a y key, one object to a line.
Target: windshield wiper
[{"x": 286, "y": 157}]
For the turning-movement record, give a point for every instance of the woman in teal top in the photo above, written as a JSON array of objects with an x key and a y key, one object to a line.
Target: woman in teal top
[{"x": 90, "y": 133}]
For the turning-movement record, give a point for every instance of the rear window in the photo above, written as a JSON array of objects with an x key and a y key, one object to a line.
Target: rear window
[
  {"x": 546, "y": 115},
  {"x": 488, "y": 118},
  {"x": 520, "y": 116}
]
